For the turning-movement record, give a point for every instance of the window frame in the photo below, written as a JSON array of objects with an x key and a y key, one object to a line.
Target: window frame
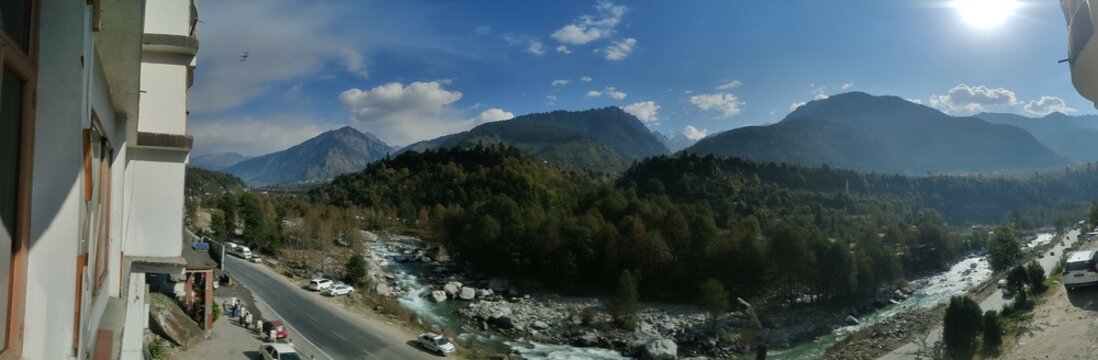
[{"x": 23, "y": 63}]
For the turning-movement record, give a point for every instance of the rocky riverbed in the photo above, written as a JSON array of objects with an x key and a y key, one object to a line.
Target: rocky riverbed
[{"x": 495, "y": 305}]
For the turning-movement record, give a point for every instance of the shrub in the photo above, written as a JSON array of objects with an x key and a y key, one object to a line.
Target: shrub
[
  {"x": 993, "y": 333},
  {"x": 961, "y": 325}
]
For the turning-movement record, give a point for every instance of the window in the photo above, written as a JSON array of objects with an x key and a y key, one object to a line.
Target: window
[{"x": 17, "y": 89}]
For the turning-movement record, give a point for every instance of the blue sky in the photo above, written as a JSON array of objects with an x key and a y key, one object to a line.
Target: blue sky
[{"x": 412, "y": 70}]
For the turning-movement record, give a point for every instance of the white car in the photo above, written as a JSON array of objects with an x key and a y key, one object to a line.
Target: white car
[
  {"x": 437, "y": 343},
  {"x": 277, "y": 351},
  {"x": 1081, "y": 269},
  {"x": 319, "y": 284},
  {"x": 255, "y": 259},
  {"x": 339, "y": 289}
]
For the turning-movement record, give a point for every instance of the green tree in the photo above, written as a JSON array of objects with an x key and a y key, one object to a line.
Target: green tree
[
  {"x": 787, "y": 255},
  {"x": 712, "y": 297},
  {"x": 625, "y": 305},
  {"x": 355, "y": 271},
  {"x": 993, "y": 333},
  {"x": 1035, "y": 276},
  {"x": 1092, "y": 215},
  {"x": 218, "y": 226},
  {"x": 1017, "y": 278},
  {"x": 962, "y": 323},
  {"x": 1004, "y": 248}
]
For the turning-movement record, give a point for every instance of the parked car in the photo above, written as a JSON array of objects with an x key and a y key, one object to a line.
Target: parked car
[
  {"x": 276, "y": 351},
  {"x": 319, "y": 284},
  {"x": 437, "y": 343},
  {"x": 280, "y": 329},
  {"x": 1081, "y": 269},
  {"x": 339, "y": 289},
  {"x": 255, "y": 259}
]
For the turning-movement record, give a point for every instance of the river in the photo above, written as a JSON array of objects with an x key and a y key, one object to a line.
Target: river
[{"x": 963, "y": 276}]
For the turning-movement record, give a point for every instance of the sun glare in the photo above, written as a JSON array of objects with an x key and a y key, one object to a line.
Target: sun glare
[{"x": 985, "y": 13}]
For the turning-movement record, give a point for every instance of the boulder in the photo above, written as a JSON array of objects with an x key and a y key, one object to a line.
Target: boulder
[
  {"x": 660, "y": 349},
  {"x": 540, "y": 325},
  {"x": 468, "y": 293},
  {"x": 382, "y": 289},
  {"x": 498, "y": 284},
  {"x": 452, "y": 288},
  {"x": 438, "y": 296},
  {"x": 502, "y": 322},
  {"x": 483, "y": 293},
  {"x": 851, "y": 320},
  {"x": 170, "y": 322}
]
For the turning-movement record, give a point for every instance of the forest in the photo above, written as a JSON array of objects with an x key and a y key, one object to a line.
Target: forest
[{"x": 675, "y": 222}]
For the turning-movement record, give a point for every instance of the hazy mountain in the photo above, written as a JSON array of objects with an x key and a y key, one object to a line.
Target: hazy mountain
[
  {"x": 323, "y": 157},
  {"x": 1073, "y": 136},
  {"x": 883, "y": 133},
  {"x": 606, "y": 139},
  {"x": 216, "y": 161},
  {"x": 674, "y": 141}
]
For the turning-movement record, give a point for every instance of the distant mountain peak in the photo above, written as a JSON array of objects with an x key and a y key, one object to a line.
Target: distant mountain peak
[{"x": 322, "y": 157}]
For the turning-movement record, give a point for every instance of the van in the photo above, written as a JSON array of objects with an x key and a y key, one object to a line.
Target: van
[
  {"x": 319, "y": 284},
  {"x": 1081, "y": 270}
]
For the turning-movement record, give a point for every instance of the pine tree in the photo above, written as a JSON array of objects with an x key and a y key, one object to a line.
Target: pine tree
[{"x": 961, "y": 325}]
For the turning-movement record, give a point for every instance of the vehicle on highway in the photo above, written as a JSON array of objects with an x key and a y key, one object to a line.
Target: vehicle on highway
[
  {"x": 437, "y": 343},
  {"x": 280, "y": 329},
  {"x": 276, "y": 351},
  {"x": 319, "y": 284},
  {"x": 255, "y": 259},
  {"x": 338, "y": 289},
  {"x": 240, "y": 251},
  {"x": 1081, "y": 269}
]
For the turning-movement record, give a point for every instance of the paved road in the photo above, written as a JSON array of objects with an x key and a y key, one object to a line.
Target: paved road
[
  {"x": 997, "y": 300},
  {"x": 337, "y": 332}
]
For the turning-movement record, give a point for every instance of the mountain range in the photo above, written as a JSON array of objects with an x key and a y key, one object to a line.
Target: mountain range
[
  {"x": 216, "y": 162},
  {"x": 883, "y": 133},
  {"x": 1071, "y": 136},
  {"x": 322, "y": 157},
  {"x": 605, "y": 140}
]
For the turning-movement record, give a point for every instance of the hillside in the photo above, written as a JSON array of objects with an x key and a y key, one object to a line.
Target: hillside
[
  {"x": 883, "y": 133},
  {"x": 605, "y": 140},
  {"x": 674, "y": 141},
  {"x": 1071, "y": 136},
  {"x": 202, "y": 182},
  {"x": 323, "y": 157},
  {"x": 216, "y": 161}
]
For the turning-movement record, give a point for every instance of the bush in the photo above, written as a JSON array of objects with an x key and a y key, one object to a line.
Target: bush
[
  {"x": 962, "y": 323},
  {"x": 355, "y": 271},
  {"x": 157, "y": 349},
  {"x": 993, "y": 333},
  {"x": 623, "y": 307},
  {"x": 1036, "y": 276},
  {"x": 1004, "y": 248}
]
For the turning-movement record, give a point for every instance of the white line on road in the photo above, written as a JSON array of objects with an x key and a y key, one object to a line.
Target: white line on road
[
  {"x": 337, "y": 335},
  {"x": 311, "y": 317}
]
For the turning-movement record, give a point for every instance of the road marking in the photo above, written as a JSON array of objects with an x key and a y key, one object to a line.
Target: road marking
[
  {"x": 311, "y": 317},
  {"x": 337, "y": 335}
]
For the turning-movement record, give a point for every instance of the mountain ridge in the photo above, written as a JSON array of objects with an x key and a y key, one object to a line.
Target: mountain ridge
[{"x": 322, "y": 157}]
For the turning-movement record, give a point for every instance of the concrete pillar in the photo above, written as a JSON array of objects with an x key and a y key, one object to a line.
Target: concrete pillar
[
  {"x": 188, "y": 293},
  {"x": 209, "y": 300}
]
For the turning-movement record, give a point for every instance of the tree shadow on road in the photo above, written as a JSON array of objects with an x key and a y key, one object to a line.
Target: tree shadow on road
[
  {"x": 1084, "y": 298},
  {"x": 415, "y": 345}
]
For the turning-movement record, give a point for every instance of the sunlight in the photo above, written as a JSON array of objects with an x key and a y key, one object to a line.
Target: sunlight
[{"x": 985, "y": 13}]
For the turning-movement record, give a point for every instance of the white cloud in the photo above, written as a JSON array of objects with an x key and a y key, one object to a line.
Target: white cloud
[
  {"x": 916, "y": 101},
  {"x": 354, "y": 62},
  {"x": 646, "y": 111},
  {"x": 491, "y": 115},
  {"x": 846, "y": 86},
  {"x": 820, "y": 93},
  {"x": 561, "y": 49},
  {"x": 619, "y": 50},
  {"x": 610, "y": 91},
  {"x": 615, "y": 93},
  {"x": 560, "y": 82},
  {"x": 585, "y": 78},
  {"x": 726, "y": 103},
  {"x": 551, "y": 98},
  {"x": 730, "y": 85},
  {"x": 536, "y": 48},
  {"x": 401, "y": 114},
  {"x": 1047, "y": 105},
  {"x": 253, "y": 136},
  {"x": 796, "y": 105},
  {"x": 588, "y": 28},
  {"x": 966, "y": 100},
  {"x": 692, "y": 133}
]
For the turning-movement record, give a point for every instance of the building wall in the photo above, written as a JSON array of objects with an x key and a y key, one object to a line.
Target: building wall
[
  {"x": 163, "y": 103},
  {"x": 55, "y": 196},
  {"x": 167, "y": 17},
  {"x": 157, "y": 202}
]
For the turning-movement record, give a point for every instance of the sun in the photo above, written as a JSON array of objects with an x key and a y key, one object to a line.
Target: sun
[{"x": 985, "y": 13}]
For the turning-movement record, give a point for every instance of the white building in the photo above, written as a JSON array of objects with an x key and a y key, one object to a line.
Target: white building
[{"x": 93, "y": 147}]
